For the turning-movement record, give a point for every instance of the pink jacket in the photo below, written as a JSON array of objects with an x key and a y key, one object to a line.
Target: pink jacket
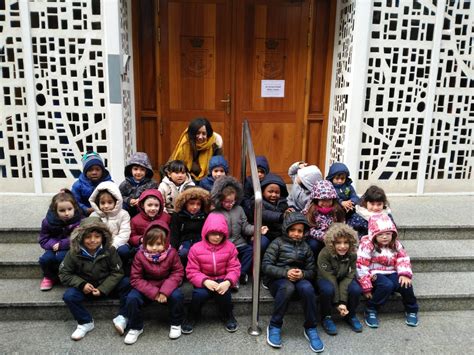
[
  {"x": 210, "y": 261},
  {"x": 372, "y": 260},
  {"x": 152, "y": 279},
  {"x": 141, "y": 221}
]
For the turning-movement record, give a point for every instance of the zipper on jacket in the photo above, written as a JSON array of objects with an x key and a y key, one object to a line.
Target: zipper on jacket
[{"x": 214, "y": 262}]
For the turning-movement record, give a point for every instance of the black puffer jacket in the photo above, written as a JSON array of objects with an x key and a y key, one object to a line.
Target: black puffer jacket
[{"x": 284, "y": 253}]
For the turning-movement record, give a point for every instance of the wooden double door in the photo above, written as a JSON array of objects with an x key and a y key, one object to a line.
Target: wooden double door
[{"x": 227, "y": 61}]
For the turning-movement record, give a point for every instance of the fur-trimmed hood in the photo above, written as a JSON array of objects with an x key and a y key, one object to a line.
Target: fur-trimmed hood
[
  {"x": 111, "y": 188},
  {"x": 193, "y": 193},
  {"x": 338, "y": 230},
  {"x": 86, "y": 226},
  {"x": 220, "y": 184}
]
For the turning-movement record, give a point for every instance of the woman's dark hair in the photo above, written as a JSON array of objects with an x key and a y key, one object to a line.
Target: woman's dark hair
[
  {"x": 194, "y": 126},
  {"x": 64, "y": 195},
  {"x": 101, "y": 193},
  {"x": 374, "y": 194}
]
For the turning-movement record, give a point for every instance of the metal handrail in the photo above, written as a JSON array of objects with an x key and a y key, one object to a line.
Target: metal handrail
[{"x": 247, "y": 150}]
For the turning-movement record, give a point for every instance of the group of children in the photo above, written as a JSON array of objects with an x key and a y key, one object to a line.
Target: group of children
[{"x": 140, "y": 240}]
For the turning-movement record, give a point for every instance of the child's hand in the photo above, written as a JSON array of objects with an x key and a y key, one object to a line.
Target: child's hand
[
  {"x": 289, "y": 210},
  {"x": 264, "y": 230},
  {"x": 133, "y": 201},
  {"x": 88, "y": 288},
  {"x": 348, "y": 205},
  {"x": 161, "y": 298},
  {"x": 56, "y": 247},
  {"x": 343, "y": 311},
  {"x": 211, "y": 285},
  {"x": 96, "y": 292},
  {"x": 89, "y": 211},
  {"x": 223, "y": 287},
  {"x": 368, "y": 295},
  {"x": 404, "y": 281}
]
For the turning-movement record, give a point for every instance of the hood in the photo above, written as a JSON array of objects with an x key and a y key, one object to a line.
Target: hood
[
  {"x": 162, "y": 225},
  {"x": 141, "y": 159},
  {"x": 338, "y": 230},
  {"x": 215, "y": 222},
  {"x": 113, "y": 190},
  {"x": 192, "y": 193},
  {"x": 262, "y": 162},
  {"x": 294, "y": 218},
  {"x": 217, "y": 161},
  {"x": 220, "y": 184},
  {"x": 309, "y": 175},
  {"x": 86, "y": 226},
  {"x": 338, "y": 168},
  {"x": 323, "y": 190},
  {"x": 381, "y": 223},
  {"x": 151, "y": 192},
  {"x": 274, "y": 179}
]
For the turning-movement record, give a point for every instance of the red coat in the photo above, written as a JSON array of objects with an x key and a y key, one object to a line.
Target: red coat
[
  {"x": 141, "y": 221},
  {"x": 211, "y": 261}
]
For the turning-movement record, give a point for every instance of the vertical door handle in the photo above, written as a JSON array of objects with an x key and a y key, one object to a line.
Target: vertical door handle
[{"x": 228, "y": 103}]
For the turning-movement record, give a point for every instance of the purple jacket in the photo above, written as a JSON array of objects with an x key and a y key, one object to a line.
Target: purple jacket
[{"x": 54, "y": 230}]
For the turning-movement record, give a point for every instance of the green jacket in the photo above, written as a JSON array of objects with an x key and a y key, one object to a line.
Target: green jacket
[
  {"x": 104, "y": 272},
  {"x": 340, "y": 271}
]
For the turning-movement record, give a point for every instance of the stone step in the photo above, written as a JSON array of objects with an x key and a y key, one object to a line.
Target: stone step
[
  {"x": 20, "y": 260},
  {"x": 21, "y": 299}
]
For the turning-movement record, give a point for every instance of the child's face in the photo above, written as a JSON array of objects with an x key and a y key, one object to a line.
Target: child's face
[
  {"x": 94, "y": 173},
  {"x": 193, "y": 206},
  {"x": 342, "y": 246},
  {"x": 339, "y": 179},
  {"x": 296, "y": 231},
  {"x": 106, "y": 203},
  {"x": 271, "y": 193},
  {"x": 155, "y": 247},
  {"x": 325, "y": 203},
  {"x": 376, "y": 206},
  {"x": 384, "y": 239},
  {"x": 138, "y": 172},
  {"x": 229, "y": 201},
  {"x": 261, "y": 173},
  {"x": 151, "y": 206},
  {"x": 215, "y": 238},
  {"x": 178, "y": 177},
  {"x": 92, "y": 241},
  {"x": 201, "y": 135},
  {"x": 65, "y": 210},
  {"x": 217, "y": 172}
]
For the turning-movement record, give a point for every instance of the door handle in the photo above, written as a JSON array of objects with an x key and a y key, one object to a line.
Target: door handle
[{"x": 228, "y": 103}]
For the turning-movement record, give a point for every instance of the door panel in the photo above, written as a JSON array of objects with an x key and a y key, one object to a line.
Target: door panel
[
  {"x": 273, "y": 47},
  {"x": 195, "y": 66}
]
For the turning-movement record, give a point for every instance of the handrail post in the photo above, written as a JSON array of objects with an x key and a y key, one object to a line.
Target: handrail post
[{"x": 247, "y": 150}]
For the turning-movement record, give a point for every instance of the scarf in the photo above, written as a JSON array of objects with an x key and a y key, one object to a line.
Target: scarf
[
  {"x": 183, "y": 152},
  {"x": 155, "y": 258}
]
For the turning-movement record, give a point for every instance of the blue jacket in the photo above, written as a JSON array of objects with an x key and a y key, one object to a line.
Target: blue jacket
[
  {"x": 83, "y": 188},
  {"x": 216, "y": 161},
  {"x": 344, "y": 191},
  {"x": 262, "y": 163}
]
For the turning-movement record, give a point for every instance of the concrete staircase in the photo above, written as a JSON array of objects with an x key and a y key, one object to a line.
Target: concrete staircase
[{"x": 441, "y": 248}]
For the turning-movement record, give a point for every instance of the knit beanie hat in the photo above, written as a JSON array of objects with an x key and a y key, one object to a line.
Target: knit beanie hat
[{"x": 90, "y": 159}]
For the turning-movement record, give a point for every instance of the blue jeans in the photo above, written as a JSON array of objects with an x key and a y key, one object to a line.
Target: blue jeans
[
  {"x": 245, "y": 257},
  {"x": 50, "y": 261},
  {"x": 283, "y": 290},
  {"x": 74, "y": 297},
  {"x": 384, "y": 286},
  {"x": 183, "y": 252},
  {"x": 316, "y": 246},
  {"x": 326, "y": 294},
  {"x": 136, "y": 300},
  {"x": 264, "y": 243},
  {"x": 200, "y": 297}
]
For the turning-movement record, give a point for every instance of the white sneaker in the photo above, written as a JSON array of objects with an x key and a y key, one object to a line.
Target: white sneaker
[
  {"x": 82, "y": 330},
  {"x": 120, "y": 323},
  {"x": 175, "y": 331},
  {"x": 132, "y": 336}
]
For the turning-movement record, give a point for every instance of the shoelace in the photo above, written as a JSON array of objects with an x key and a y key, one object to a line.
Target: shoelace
[
  {"x": 412, "y": 315},
  {"x": 372, "y": 315}
]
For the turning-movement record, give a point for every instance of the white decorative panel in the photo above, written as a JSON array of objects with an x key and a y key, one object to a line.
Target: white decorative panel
[
  {"x": 451, "y": 156},
  {"x": 342, "y": 68},
  {"x": 15, "y": 152}
]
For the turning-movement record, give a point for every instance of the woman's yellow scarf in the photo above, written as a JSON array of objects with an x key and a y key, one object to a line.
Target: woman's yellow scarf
[{"x": 183, "y": 152}]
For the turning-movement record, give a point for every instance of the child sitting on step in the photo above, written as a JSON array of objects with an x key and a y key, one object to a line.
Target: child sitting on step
[
  {"x": 218, "y": 167},
  {"x": 175, "y": 181},
  {"x": 155, "y": 277},
  {"x": 336, "y": 277},
  {"x": 288, "y": 268},
  {"x": 304, "y": 177},
  {"x": 383, "y": 267},
  {"x": 213, "y": 267},
  {"x": 91, "y": 270},
  {"x": 63, "y": 216}
]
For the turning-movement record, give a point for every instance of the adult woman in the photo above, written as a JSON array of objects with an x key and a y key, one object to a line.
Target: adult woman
[{"x": 197, "y": 144}]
